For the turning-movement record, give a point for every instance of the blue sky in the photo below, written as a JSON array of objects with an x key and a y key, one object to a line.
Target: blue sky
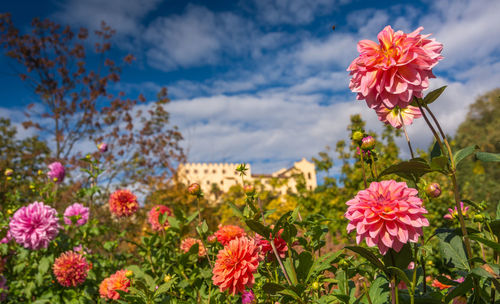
[{"x": 264, "y": 81}]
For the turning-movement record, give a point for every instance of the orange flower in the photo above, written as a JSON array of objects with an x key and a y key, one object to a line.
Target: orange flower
[
  {"x": 186, "y": 244},
  {"x": 229, "y": 232},
  {"x": 154, "y": 214},
  {"x": 236, "y": 264},
  {"x": 123, "y": 203},
  {"x": 117, "y": 281}
]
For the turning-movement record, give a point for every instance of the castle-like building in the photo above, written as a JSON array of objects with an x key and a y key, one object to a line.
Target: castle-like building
[{"x": 224, "y": 175}]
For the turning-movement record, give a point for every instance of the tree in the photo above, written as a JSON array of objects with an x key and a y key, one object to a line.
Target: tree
[
  {"x": 78, "y": 100},
  {"x": 482, "y": 127}
]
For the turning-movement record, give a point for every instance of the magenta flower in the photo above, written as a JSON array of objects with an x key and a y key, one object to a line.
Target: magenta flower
[
  {"x": 103, "y": 147},
  {"x": 387, "y": 214},
  {"x": 454, "y": 212},
  {"x": 78, "y": 212},
  {"x": 56, "y": 172},
  {"x": 392, "y": 118},
  {"x": 248, "y": 297},
  {"x": 390, "y": 73},
  {"x": 34, "y": 226}
]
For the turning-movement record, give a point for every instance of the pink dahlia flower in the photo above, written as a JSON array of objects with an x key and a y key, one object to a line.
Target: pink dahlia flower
[
  {"x": 454, "y": 212},
  {"x": 154, "y": 214},
  {"x": 248, "y": 297},
  {"x": 267, "y": 249},
  {"x": 187, "y": 243},
  {"x": 77, "y": 211},
  {"x": 391, "y": 116},
  {"x": 123, "y": 203},
  {"x": 387, "y": 214},
  {"x": 391, "y": 72},
  {"x": 236, "y": 264},
  {"x": 71, "y": 269},
  {"x": 34, "y": 226},
  {"x": 117, "y": 281},
  {"x": 228, "y": 232},
  {"x": 56, "y": 172}
]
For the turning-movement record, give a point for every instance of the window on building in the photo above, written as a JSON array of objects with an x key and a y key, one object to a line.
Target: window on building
[
  {"x": 206, "y": 171},
  {"x": 309, "y": 175},
  {"x": 214, "y": 171},
  {"x": 222, "y": 182},
  {"x": 223, "y": 171},
  {"x": 187, "y": 171},
  {"x": 208, "y": 182},
  {"x": 195, "y": 171}
]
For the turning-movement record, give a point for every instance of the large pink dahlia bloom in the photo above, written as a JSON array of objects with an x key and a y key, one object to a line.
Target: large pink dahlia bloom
[
  {"x": 34, "y": 226},
  {"x": 71, "y": 269},
  {"x": 391, "y": 72},
  {"x": 387, "y": 214},
  {"x": 236, "y": 264},
  {"x": 77, "y": 211}
]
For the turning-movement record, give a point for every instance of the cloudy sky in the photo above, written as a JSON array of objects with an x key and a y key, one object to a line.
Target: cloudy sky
[{"x": 265, "y": 81}]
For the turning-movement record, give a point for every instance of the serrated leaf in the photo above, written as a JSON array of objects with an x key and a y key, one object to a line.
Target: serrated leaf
[
  {"x": 367, "y": 254},
  {"x": 272, "y": 288},
  {"x": 452, "y": 249},
  {"x": 488, "y": 157},
  {"x": 259, "y": 228},
  {"x": 463, "y": 153},
  {"x": 433, "y": 95},
  {"x": 379, "y": 291}
]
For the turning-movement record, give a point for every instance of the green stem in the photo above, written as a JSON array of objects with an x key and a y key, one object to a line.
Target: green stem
[
  {"x": 406, "y": 134},
  {"x": 367, "y": 293},
  {"x": 363, "y": 166},
  {"x": 374, "y": 165}
]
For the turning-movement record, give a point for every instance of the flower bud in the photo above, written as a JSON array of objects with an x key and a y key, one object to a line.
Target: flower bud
[
  {"x": 8, "y": 172},
  {"x": 368, "y": 143},
  {"x": 195, "y": 189},
  {"x": 129, "y": 273},
  {"x": 315, "y": 285},
  {"x": 249, "y": 189},
  {"x": 433, "y": 190},
  {"x": 167, "y": 278},
  {"x": 478, "y": 218},
  {"x": 212, "y": 238},
  {"x": 103, "y": 147},
  {"x": 357, "y": 136}
]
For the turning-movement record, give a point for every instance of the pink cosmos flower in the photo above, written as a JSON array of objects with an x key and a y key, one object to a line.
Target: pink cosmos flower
[
  {"x": 236, "y": 264},
  {"x": 79, "y": 212},
  {"x": 387, "y": 214},
  {"x": 391, "y": 72},
  {"x": 248, "y": 297},
  {"x": 56, "y": 172},
  {"x": 454, "y": 212},
  {"x": 391, "y": 116},
  {"x": 71, "y": 269},
  {"x": 34, "y": 226},
  {"x": 153, "y": 217}
]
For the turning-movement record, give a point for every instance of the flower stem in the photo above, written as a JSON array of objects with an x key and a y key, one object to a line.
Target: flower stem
[
  {"x": 363, "y": 166},
  {"x": 406, "y": 134}
]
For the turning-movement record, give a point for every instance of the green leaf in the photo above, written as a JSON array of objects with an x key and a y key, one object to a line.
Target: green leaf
[
  {"x": 306, "y": 262},
  {"x": 280, "y": 222},
  {"x": 44, "y": 265},
  {"x": 461, "y": 289},
  {"x": 259, "y": 228},
  {"x": 191, "y": 217},
  {"x": 400, "y": 274},
  {"x": 379, "y": 291},
  {"x": 436, "y": 150},
  {"x": 272, "y": 288},
  {"x": 289, "y": 267},
  {"x": 399, "y": 259},
  {"x": 236, "y": 210},
  {"x": 432, "y": 96},
  {"x": 439, "y": 163},
  {"x": 367, "y": 254},
  {"x": 463, "y": 153},
  {"x": 323, "y": 263},
  {"x": 480, "y": 272},
  {"x": 412, "y": 169},
  {"x": 452, "y": 248},
  {"x": 174, "y": 222},
  {"x": 289, "y": 292},
  {"x": 493, "y": 245},
  {"x": 488, "y": 157},
  {"x": 498, "y": 212}
]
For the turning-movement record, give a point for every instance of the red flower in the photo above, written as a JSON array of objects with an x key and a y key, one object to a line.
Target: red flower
[
  {"x": 153, "y": 215},
  {"x": 187, "y": 243},
  {"x": 267, "y": 249},
  {"x": 123, "y": 203},
  {"x": 229, "y": 232},
  {"x": 236, "y": 264},
  {"x": 71, "y": 269}
]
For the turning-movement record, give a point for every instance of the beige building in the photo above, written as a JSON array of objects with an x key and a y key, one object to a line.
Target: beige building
[{"x": 225, "y": 176}]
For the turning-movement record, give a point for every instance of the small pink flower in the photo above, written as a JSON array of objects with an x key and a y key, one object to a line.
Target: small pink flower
[
  {"x": 390, "y": 73},
  {"x": 56, "y": 172},
  {"x": 103, "y": 147},
  {"x": 248, "y": 297},
  {"x": 387, "y": 214},
  {"x": 391, "y": 116},
  {"x": 187, "y": 243},
  {"x": 34, "y": 226},
  {"x": 454, "y": 212},
  {"x": 154, "y": 214},
  {"x": 79, "y": 212}
]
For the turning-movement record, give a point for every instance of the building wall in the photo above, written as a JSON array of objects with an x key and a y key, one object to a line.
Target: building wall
[{"x": 225, "y": 175}]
